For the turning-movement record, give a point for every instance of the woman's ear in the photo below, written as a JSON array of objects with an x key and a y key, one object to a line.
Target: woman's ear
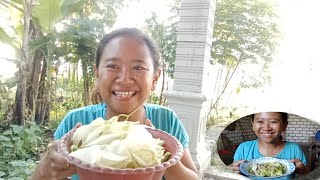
[
  {"x": 252, "y": 125},
  {"x": 96, "y": 71},
  {"x": 285, "y": 125},
  {"x": 155, "y": 79}
]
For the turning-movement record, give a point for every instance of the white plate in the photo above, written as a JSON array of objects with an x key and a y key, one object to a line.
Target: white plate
[{"x": 244, "y": 166}]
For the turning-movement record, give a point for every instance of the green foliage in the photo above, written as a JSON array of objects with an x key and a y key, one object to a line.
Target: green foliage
[
  {"x": 20, "y": 147},
  {"x": 72, "y": 6},
  {"x": 244, "y": 30},
  {"x": 225, "y": 115},
  {"x": 67, "y": 97},
  {"x": 44, "y": 20},
  {"x": 61, "y": 108},
  {"x": 165, "y": 35},
  {"x": 153, "y": 99},
  {"x": 5, "y": 38},
  {"x": 245, "y": 34},
  {"x": 6, "y": 99}
]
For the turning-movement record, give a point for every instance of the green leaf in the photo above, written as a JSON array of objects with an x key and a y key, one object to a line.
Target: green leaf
[
  {"x": 41, "y": 41},
  {"x": 30, "y": 161},
  {"x": 35, "y": 127},
  {"x": 6, "y": 39},
  {"x": 18, "y": 1},
  {"x": 16, "y": 4},
  {"x": 2, "y": 173},
  {"x": 19, "y": 143},
  {"x": 70, "y": 6},
  {"x": 18, "y": 163},
  {"x": 7, "y": 132},
  {"x": 15, "y": 178},
  {"x": 11, "y": 82},
  {"x": 47, "y": 14},
  {"x": 238, "y": 90},
  {"x": 16, "y": 129},
  {"x": 4, "y": 138},
  {"x": 8, "y": 144}
]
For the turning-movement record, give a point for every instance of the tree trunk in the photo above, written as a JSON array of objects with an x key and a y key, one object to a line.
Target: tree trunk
[
  {"x": 19, "y": 114},
  {"x": 33, "y": 79},
  {"x": 41, "y": 104},
  {"x": 86, "y": 96},
  {"x": 163, "y": 81}
]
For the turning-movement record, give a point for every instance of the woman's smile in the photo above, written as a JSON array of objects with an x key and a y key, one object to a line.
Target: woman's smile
[
  {"x": 266, "y": 135},
  {"x": 124, "y": 94}
]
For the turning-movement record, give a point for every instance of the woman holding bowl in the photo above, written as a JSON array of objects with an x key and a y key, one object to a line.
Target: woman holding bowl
[{"x": 268, "y": 127}]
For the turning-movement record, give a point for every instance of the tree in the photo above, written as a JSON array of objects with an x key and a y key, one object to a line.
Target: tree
[
  {"x": 36, "y": 22},
  {"x": 165, "y": 35},
  {"x": 82, "y": 32},
  {"x": 245, "y": 31}
]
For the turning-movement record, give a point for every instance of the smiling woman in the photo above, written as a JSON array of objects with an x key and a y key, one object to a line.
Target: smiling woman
[
  {"x": 126, "y": 71},
  {"x": 269, "y": 127}
]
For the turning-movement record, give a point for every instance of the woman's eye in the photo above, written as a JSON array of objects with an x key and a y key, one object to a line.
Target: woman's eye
[
  {"x": 112, "y": 66},
  {"x": 139, "y": 68}
]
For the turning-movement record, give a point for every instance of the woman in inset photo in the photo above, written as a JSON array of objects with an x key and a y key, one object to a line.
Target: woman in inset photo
[{"x": 269, "y": 127}]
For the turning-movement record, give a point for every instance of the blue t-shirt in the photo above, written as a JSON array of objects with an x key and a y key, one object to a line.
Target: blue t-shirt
[
  {"x": 250, "y": 150},
  {"x": 161, "y": 117}
]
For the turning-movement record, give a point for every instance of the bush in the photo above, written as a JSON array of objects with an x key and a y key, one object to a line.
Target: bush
[{"x": 20, "y": 147}]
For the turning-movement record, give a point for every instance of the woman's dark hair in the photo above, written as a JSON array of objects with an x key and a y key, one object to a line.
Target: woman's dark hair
[
  {"x": 134, "y": 33},
  {"x": 284, "y": 117},
  {"x": 125, "y": 32}
]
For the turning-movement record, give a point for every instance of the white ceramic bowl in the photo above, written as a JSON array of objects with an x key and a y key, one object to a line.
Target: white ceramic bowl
[{"x": 244, "y": 167}]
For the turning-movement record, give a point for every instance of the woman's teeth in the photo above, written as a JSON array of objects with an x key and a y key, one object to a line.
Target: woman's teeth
[
  {"x": 123, "y": 94},
  {"x": 266, "y": 134}
]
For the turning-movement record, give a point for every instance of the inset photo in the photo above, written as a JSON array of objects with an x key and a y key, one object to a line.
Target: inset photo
[{"x": 271, "y": 145}]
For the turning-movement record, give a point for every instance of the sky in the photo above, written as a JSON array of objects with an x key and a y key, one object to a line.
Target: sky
[
  {"x": 295, "y": 70},
  {"x": 134, "y": 16}
]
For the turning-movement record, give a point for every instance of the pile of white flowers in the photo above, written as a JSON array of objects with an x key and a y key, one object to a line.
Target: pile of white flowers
[{"x": 124, "y": 144}]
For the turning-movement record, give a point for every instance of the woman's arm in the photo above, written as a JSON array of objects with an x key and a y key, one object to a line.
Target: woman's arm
[
  {"x": 185, "y": 169},
  {"x": 301, "y": 169}
]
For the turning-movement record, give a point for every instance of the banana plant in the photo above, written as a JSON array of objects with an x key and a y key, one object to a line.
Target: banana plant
[{"x": 30, "y": 20}]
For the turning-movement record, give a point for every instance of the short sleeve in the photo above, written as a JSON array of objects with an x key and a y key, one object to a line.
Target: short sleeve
[
  {"x": 238, "y": 154},
  {"x": 167, "y": 120},
  {"x": 180, "y": 132},
  {"x": 64, "y": 126}
]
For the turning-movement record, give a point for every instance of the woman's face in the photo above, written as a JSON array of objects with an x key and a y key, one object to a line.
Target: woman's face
[
  {"x": 125, "y": 76},
  {"x": 268, "y": 126}
]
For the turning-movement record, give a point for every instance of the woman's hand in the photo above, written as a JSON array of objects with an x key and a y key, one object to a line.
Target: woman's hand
[
  {"x": 184, "y": 169},
  {"x": 235, "y": 166},
  {"x": 301, "y": 169},
  {"x": 53, "y": 165},
  {"x": 149, "y": 123}
]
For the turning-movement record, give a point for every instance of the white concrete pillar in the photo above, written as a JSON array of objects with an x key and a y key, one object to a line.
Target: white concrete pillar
[{"x": 193, "y": 82}]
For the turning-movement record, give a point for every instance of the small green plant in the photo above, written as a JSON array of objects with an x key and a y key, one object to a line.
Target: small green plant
[
  {"x": 153, "y": 98},
  {"x": 20, "y": 147}
]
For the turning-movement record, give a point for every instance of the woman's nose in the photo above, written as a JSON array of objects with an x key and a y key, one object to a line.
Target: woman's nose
[
  {"x": 267, "y": 126},
  {"x": 125, "y": 76}
]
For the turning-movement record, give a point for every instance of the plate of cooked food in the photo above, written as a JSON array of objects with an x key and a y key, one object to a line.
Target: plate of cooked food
[{"x": 267, "y": 168}]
